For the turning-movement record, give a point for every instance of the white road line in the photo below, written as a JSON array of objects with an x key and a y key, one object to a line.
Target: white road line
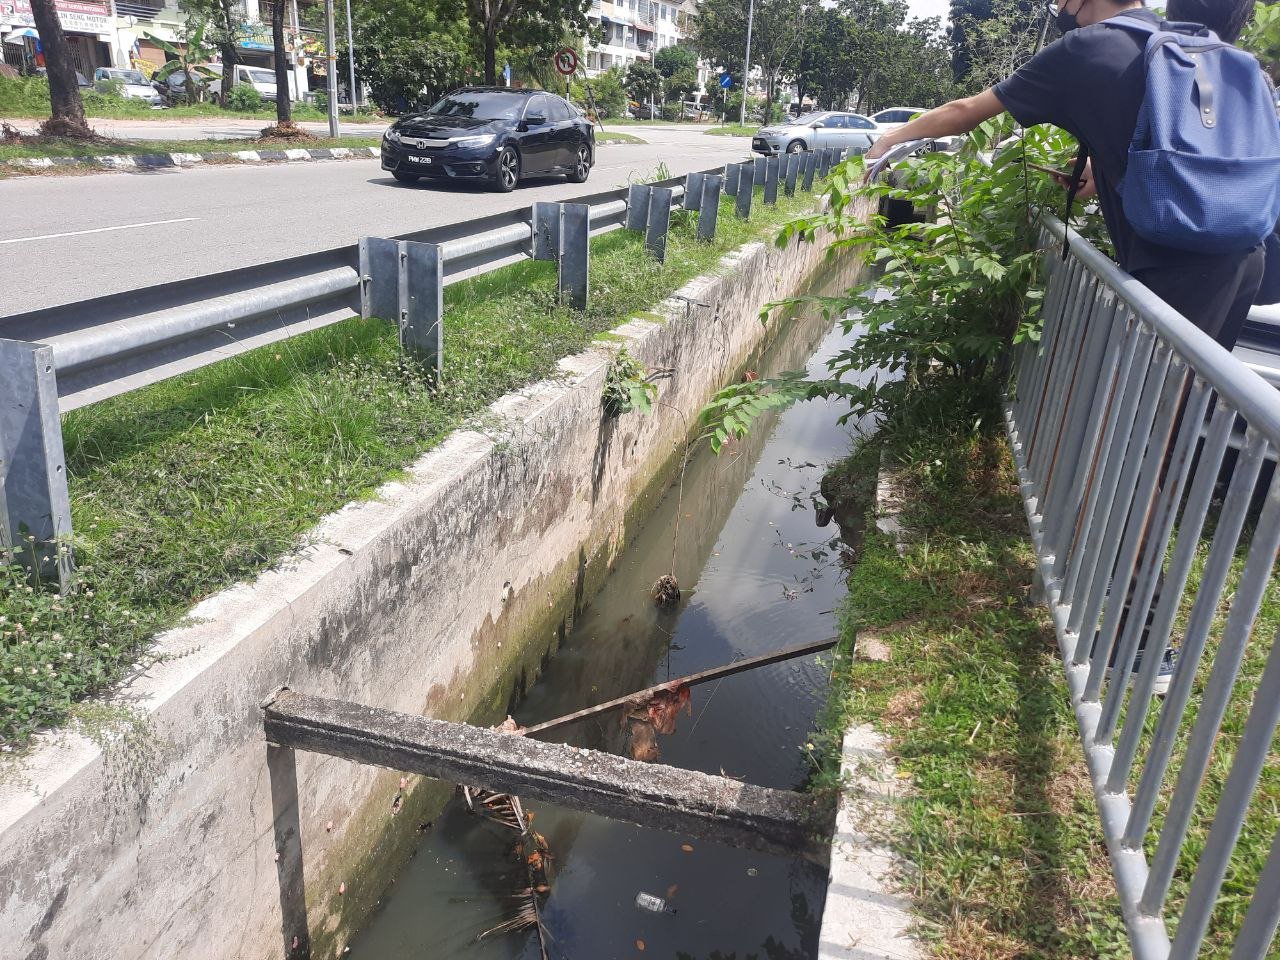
[{"x": 78, "y": 233}]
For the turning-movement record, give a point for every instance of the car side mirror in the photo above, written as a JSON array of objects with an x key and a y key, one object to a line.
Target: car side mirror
[
  {"x": 535, "y": 120},
  {"x": 818, "y": 125}
]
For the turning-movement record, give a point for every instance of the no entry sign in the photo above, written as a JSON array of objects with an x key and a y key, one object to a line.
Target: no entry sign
[{"x": 567, "y": 61}]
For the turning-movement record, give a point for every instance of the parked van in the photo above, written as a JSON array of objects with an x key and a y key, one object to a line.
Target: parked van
[{"x": 260, "y": 78}]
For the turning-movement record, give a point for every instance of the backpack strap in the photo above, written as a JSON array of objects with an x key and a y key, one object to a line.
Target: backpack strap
[{"x": 1082, "y": 157}]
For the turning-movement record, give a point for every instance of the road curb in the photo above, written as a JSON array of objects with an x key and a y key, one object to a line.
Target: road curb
[{"x": 156, "y": 161}]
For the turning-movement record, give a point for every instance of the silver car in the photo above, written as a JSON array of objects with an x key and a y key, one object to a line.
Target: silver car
[
  {"x": 131, "y": 84},
  {"x": 825, "y": 128}
]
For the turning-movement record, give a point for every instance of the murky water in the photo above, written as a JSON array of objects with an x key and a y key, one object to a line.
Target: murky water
[{"x": 757, "y": 575}]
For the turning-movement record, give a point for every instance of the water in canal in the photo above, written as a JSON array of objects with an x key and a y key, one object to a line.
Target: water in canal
[{"x": 757, "y": 574}]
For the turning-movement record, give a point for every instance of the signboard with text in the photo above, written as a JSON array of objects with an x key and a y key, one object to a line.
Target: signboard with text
[{"x": 76, "y": 16}]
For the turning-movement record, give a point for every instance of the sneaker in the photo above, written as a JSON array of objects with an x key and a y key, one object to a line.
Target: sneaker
[{"x": 1164, "y": 675}]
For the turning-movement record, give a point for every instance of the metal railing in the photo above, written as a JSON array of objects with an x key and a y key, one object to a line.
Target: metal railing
[
  {"x": 1125, "y": 421},
  {"x": 61, "y": 358}
]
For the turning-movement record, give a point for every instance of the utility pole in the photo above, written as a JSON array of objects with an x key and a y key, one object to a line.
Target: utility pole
[
  {"x": 746, "y": 64},
  {"x": 331, "y": 71},
  {"x": 351, "y": 62}
]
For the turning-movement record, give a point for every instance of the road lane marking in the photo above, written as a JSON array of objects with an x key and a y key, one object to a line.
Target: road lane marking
[{"x": 78, "y": 233}]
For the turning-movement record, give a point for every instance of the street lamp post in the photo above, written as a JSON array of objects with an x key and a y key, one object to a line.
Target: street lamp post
[
  {"x": 351, "y": 62},
  {"x": 746, "y": 64},
  {"x": 331, "y": 73}
]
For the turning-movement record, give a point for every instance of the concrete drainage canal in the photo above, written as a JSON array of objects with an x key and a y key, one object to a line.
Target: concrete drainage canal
[{"x": 497, "y": 876}]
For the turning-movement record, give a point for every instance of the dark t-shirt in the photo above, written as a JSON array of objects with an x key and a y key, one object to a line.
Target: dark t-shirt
[{"x": 1091, "y": 83}]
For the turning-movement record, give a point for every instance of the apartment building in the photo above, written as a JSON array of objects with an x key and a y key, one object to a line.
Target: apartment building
[{"x": 636, "y": 30}]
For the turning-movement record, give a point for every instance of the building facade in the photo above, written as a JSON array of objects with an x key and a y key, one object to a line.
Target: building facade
[{"x": 635, "y": 30}]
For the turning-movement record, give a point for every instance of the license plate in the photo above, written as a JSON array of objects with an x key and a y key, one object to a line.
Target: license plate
[{"x": 419, "y": 159}]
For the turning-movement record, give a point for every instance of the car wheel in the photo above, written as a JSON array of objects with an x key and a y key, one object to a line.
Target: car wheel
[
  {"x": 795, "y": 146},
  {"x": 581, "y": 165},
  {"x": 508, "y": 170},
  {"x": 405, "y": 177}
]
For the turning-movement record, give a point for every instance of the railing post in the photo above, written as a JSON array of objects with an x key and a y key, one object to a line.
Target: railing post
[
  {"x": 709, "y": 211},
  {"x": 655, "y": 238},
  {"x": 638, "y": 197},
  {"x": 758, "y": 171},
  {"x": 35, "y": 507},
  {"x": 546, "y": 231},
  {"x": 742, "y": 202},
  {"x": 692, "y": 198},
  {"x": 421, "y": 306},
  {"x": 731, "y": 174},
  {"x": 792, "y": 173},
  {"x": 810, "y": 168},
  {"x": 771, "y": 179},
  {"x": 403, "y": 281},
  {"x": 575, "y": 253}
]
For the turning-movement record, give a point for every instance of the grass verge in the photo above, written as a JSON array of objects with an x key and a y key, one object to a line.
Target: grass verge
[
  {"x": 618, "y": 137},
  {"x": 133, "y": 148},
  {"x": 189, "y": 486},
  {"x": 1000, "y": 827},
  {"x": 732, "y": 130},
  {"x": 97, "y": 109}
]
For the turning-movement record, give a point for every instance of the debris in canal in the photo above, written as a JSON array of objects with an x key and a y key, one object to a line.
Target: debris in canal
[{"x": 666, "y": 591}]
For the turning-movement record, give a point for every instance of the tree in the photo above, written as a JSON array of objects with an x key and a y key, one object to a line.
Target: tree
[
  {"x": 224, "y": 28},
  {"x": 776, "y": 36},
  {"x": 187, "y": 57},
  {"x": 990, "y": 39},
  {"x": 523, "y": 24},
  {"x": 682, "y": 85},
  {"x": 408, "y": 50},
  {"x": 66, "y": 116},
  {"x": 643, "y": 81},
  {"x": 606, "y": 90},
  {"x": 284, "y": 95},
  {"x": 675, "y": 59},
  {"x": 824, "y": 69}
]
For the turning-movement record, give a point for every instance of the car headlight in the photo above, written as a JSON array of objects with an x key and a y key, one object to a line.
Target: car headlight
[
  {"x": 392, "y": 135},
  {"x": 483, "y": 141}
]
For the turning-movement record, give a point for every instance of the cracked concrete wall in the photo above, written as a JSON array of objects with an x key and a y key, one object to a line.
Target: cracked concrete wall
[{"x": 155, "y": 837}]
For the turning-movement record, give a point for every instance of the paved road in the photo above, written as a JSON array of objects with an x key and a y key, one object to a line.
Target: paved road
[{"x": 70, "y": 238}]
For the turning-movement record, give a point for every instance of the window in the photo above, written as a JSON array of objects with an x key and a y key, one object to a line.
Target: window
[
  {"x": 835, "y": 122},
  {"x": 859, "y": 123},
  {"x": 557, "y": 109},
  {"x": 538, "y": 107},
  {"x": 480, "y": 104}
]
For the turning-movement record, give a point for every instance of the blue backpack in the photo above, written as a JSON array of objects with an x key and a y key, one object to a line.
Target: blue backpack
[{"x": 1203, "y": 171}]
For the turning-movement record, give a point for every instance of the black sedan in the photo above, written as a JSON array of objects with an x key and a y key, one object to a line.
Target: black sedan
[{"x": 491, "y": 134}]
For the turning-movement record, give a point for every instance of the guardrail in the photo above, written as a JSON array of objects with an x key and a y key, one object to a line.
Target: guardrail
[
  {"x": 58, "y": 359},
  {"x": 1123, "y": 421}
]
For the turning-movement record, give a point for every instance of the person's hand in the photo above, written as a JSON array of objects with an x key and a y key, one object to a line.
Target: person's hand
[
  {"x": 874, "y": 152},
  {"x": 1088, "y": 187}
]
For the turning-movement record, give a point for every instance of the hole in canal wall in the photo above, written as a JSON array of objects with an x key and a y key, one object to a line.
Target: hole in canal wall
[{"x": 757, "y": 573}]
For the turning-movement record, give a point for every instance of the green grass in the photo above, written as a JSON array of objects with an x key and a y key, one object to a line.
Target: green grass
[
  {"x": 733, "y": 130},
  {"x": 1000, "y": 826},
  {"x": 618, "y": 137},
  {"x": 191, "y": 485},
  {"x": 78, "y": 148}
]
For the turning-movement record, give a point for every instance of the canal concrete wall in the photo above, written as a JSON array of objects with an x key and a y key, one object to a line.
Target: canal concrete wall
[{"x": 156, "y": 827}]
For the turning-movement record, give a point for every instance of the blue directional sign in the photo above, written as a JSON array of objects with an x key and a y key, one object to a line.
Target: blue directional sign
[{"x": 726, "y": 81}]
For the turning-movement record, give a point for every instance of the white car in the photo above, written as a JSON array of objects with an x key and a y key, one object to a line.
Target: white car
[
  {"x": 131, "y": 83},
  {"x": 260, "y": 78},
  {"x": 891, "y": 118}
]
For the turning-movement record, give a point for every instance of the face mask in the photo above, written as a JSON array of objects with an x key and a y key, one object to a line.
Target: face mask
[{"x": 1066, "y": 21}]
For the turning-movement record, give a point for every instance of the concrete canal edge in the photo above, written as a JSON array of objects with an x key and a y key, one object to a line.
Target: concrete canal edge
[
  {"x": 148, "y": 830},
  {"x": 867, "y": 917}
]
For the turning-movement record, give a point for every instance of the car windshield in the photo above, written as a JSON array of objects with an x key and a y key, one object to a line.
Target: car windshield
[
  {"x": 479, "y": 105},
  {"x": 128, "y": 76},
  {"x": 262, "y": 76}
]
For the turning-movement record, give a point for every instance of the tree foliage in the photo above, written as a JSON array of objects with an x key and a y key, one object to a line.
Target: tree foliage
[
  {"x": 224, "y": 28},
  {"x": 1262, "y": 37},
  {"x": 412, "y": 52},
  {"x": 607, "y": 91},
  {"x": 524, "y": 25},
  {"x": 672, "y": 60},
  {"x": 776, "y": 37},
  {"x": 990, "y": 39},
  {"x": 643, "y": 81}
]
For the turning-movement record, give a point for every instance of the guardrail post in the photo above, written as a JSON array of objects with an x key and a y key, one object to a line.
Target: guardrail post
[
  {"x": 34, "y": 502},
  {"x": 792, "y": 173},
  {"x": 810, "y": 168},
  {"x": 546, "y": 231},
  {"x": 403, "y": 281},
  {"x": 771, "y": 179},
  {"x": 824, "y": 161},
  {"x": 692, "y": 199},
  {"x": 574, "y": 253},
  {"x": 655, "y": 238},
  {"x": 731, "y": 174},
  {"x": 420, "y": 289},
  {"x": 709, "y": 210},
  {"x": 742, "y": 202},
  {"x": 758, "y": 173},
  {"x": 638, "y": 199}
]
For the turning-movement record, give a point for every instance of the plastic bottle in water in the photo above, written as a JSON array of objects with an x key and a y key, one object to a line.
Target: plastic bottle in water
[{"x": 647, "y": 901}]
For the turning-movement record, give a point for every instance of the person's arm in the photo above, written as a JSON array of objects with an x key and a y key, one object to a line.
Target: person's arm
[{"x": 949, "y": 120}]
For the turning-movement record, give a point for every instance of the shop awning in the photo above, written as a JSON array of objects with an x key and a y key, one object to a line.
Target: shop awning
[{"x": 20, "y": 36}]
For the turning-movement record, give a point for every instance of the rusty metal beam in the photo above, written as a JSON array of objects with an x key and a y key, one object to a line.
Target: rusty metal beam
[{"x": 686, "y": 802}]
